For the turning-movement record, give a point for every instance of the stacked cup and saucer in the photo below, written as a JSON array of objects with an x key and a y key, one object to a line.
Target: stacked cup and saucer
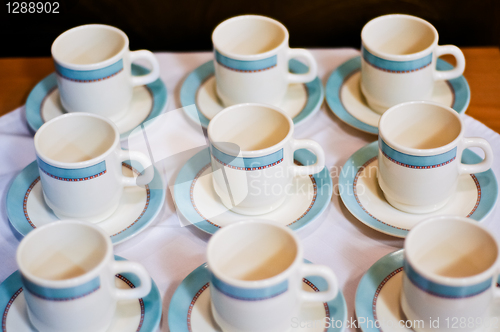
[{"x": 82, "y": 173}]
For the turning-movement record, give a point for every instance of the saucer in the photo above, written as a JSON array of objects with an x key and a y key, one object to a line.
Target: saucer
[
  {"x": 301, "y": 100},
  {"x": 190, "y": 311},
  {"x": 346, "y": 101},
  {"x": 378, "y": 296},
  {"x": 198, "y": 203},
  {"x": 148, "y": 101},
  {"x": 138, "y": 207},
  {"x": 475, "y": 196},
  {"x": 131, "y": 315}
]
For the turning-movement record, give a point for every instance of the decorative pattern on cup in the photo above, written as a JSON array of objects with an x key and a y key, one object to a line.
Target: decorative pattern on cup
[
  {"x": 89, "y": 76},
  {"x": 245, "y": 163},
  {"x": 72, "y": 174},
  {"x": 417, "y": 162},
  {"x": 396, "y": 67},
  {"x": 249, "y": 294},
  {"x": 62, "y": 294},
  {"x": 245, "y": 66},
  {"x": 445, "y": 291}
]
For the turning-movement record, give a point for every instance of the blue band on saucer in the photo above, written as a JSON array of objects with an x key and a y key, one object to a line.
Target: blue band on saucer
[
  {"x": 452, "y": 292},
  {"x": 72, "y": 174},
  {"x": 89, "y": 76},
  {"x": 247, "y": 164},
  {"x": 246, "y": 66},
  {"x": 417, "y": 162},
  {"x": 249, "y": 294},
  {"x": 398, "y": 67},
  {"x": 62, "y": 294}
]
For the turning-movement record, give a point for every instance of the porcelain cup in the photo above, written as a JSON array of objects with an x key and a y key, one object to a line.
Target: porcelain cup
[
  {"x": 251, "y": 60},
  {"x": 251, "y": 147},
  {"x": 420, "y": 152},
  {"x": 93, "y": 70},
  {"x": 80, "y": 163},
  {"x": 450, "y": 274},
  {"x": 398, "y": 60},
  {"x": 257, "y": 269},
  {"x": 68, "y": 275}
]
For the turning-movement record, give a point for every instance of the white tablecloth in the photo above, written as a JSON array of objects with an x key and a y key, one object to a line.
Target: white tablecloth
[{"x": 170, "y": 252}]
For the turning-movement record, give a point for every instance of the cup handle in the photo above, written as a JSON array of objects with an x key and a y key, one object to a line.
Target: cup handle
[
  {"x": 137, "y": 292},
  {"x": 316, "y": 149},
  {"x": 488, "y": 156},
  {"x": 311, "y": 63},
  {"x": 325, "y": 273},
  {"x": 452, "y": 73},
  {"x": 155, "y": 72},
  {"x": 143, "y": 179}
]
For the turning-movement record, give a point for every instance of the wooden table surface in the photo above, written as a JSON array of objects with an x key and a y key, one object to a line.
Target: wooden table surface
[{"x": 19, "y": 75}]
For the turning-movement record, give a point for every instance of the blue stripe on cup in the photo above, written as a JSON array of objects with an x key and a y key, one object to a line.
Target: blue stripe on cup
[
  {"x": 72, "y": 174},
  {"x": 445, "y": 291},
  {"x": 246, "y": 66},
  {"x": 89, "y": 76},
  {"x": 417, "y": 162},
  {"x": 249, "y": 294},
  {"x": 61, "y": 294},
  {"x": 245, "y": 163},
  {"x": 398, "y": 67}
]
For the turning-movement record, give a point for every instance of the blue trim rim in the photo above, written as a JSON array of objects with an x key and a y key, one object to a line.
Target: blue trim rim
[
  {"x": 246, "y": 163},
  {"x": 198, "y": 280},
  {"x": 485, "y": 180},
  {"x": 246, "y": 66},
  {"x": 458, "y": 85},
  {"x": 29, "y": 176},
  {"x": 197, "y": 77},
  {"x": 396, "y": 67},
  {"x": 72, "y": 174},
  {"x": 89, "y": 76},
  {"x": 201, "y": 160},
  {"x": 39, "y": 93},
  {"x": 62, "y": 294},
  {"x": 248, "y": 294}
]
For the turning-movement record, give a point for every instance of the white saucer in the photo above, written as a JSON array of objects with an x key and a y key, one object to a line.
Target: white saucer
[
  {"x": 198, "y": 203},
  {"x": 344, "y": 97},
  {"x": 148, "y": 101},
  {"x": 378, "y": 297},
  {"x": 141, "y": 315},
  {"x": 475, "y": 196},
  {"x": 189, "y": 309},
  {"x": 301, "y": 100},
  {"x": 26, "y": 207}
]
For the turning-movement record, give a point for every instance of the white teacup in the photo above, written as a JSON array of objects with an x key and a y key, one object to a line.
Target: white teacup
[
  {"x": 398, "y": 62},
  {"x": 251, "y": 60},
  {"x": 420, "y": 153},
  {"x": 68, "y": 273},
  {"x": 80, "y": 163},
  {"x": 450, "y": 273},
  {"x": 93, "y": 66},
  {"x": 252, "y": 148},
  {"x": 256, "y": 283}
]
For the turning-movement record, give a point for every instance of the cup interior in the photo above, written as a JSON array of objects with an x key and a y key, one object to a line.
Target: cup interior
[
  {"x": 451, "y": 248},
  {"x": 398, "y": 35},
  {"x": 62, "y": 252},
  {"x": 420, "y": 126},
  {"x": 75, "y": 138},
  {"x": 253, "y": 251},
  {"x": 88, "y": 44},
  {"x": 248, "y": 35},
  {"x": 250, "y": 127}
]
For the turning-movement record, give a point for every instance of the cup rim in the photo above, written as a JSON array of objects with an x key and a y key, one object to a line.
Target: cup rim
[
  {"x": 414, "y": 151},
  {"x": 399, "y": 57},
  {"x": 252, "y": 153},
  {"x": 70, "y": 282},
  {"x": 280, "y": 277},
  {"x": 79, "y": 164},
  {"x": 463, "y": 281},
  {"x": 97, "y": 65},
  {"x": 250, "y": 57}
]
